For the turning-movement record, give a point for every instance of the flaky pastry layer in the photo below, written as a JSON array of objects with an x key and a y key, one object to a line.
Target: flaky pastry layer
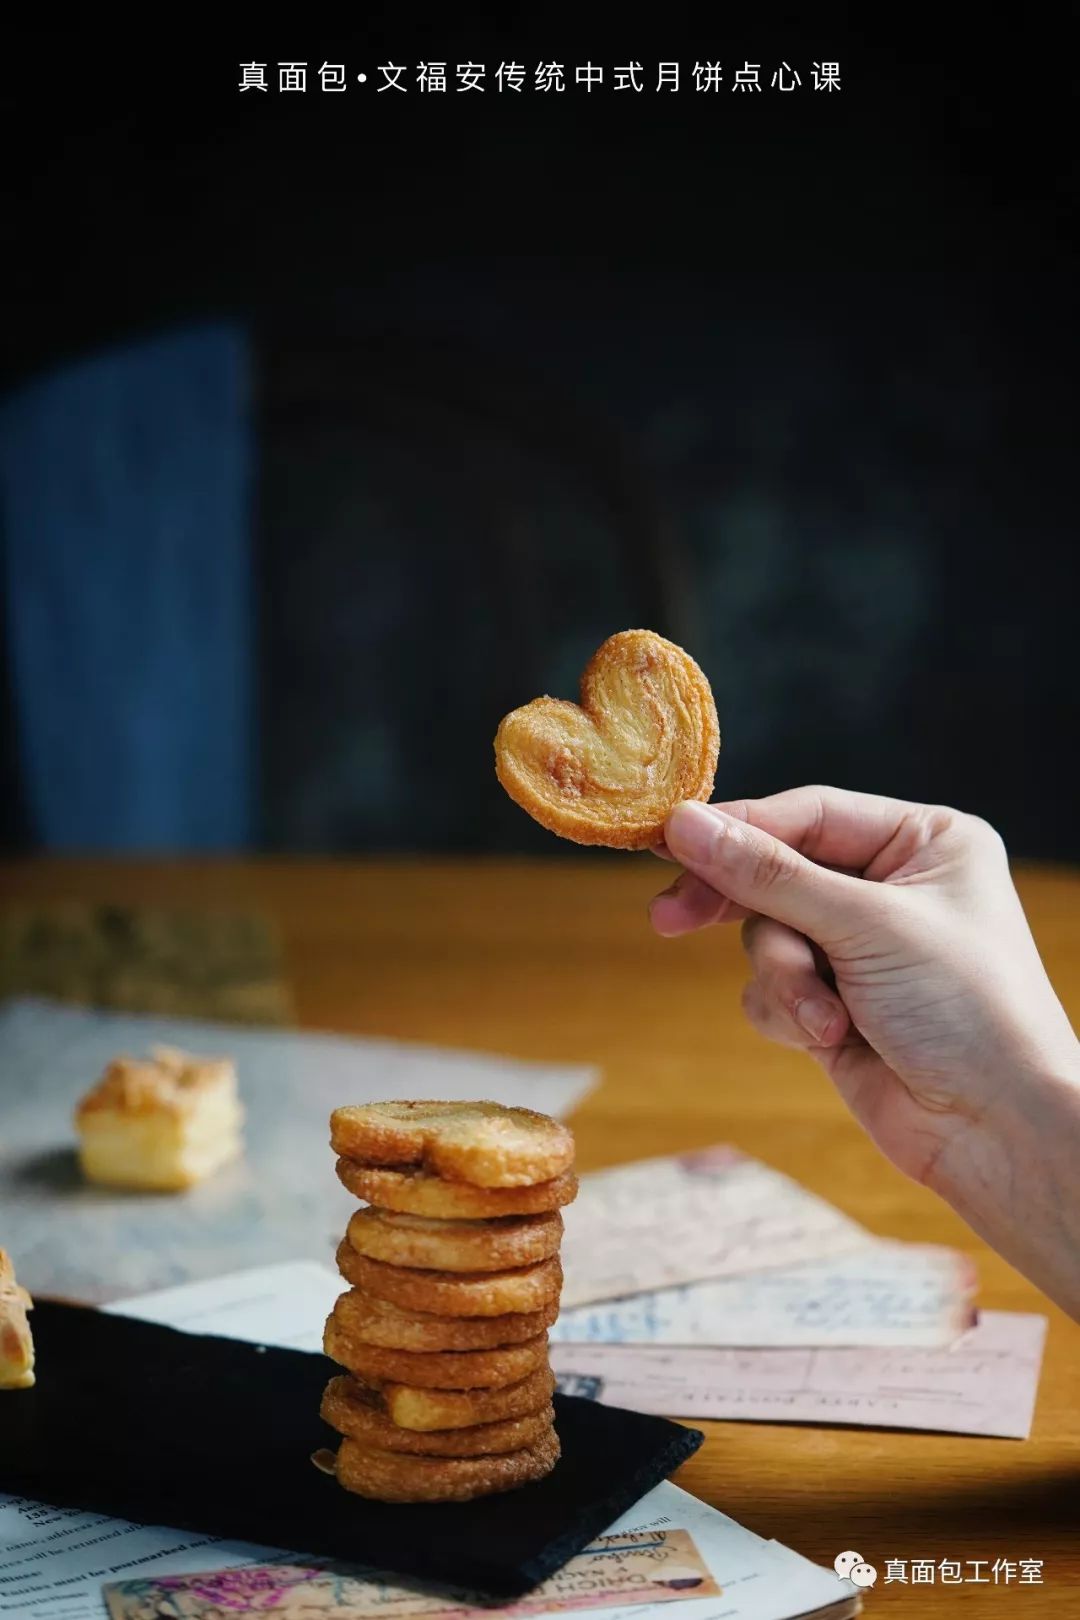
[
  {"x": 432, "y": 1245},
  {"x": 16, "y": 1339},
  {"x": 390, "y": 1476},
  {"x": 369, "y": 1320},
  {"x": 414, "y": 1191},
  {"x": 609, "y": 769},
  {"x": 353, "y": 1411},
  {"x": 475, "y": 1293},
  {"x": 483, "y": 1143},
  {"x": 439, "y": 1369},
  {"x": 163, "y": 1123},
  {"x": 412, "y": 1407},
  {"x": 168, "y": 1081}
]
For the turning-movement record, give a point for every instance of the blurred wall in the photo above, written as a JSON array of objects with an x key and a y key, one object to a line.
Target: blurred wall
[
  {"x": 846, "y": 493},
  {"x": 796, "y": 389}
]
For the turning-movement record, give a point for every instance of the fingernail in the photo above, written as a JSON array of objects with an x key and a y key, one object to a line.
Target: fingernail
[
  {"x": 672, "y": 892},
  {"x": 816, "y": 1017},
  {"x": 692, "y": 833}
]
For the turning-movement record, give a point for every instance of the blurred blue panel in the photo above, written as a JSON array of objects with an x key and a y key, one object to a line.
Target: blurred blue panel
[{"x": 125, "y": 487}]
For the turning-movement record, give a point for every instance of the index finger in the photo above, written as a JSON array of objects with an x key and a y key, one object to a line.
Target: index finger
[{"x": 832, "y": 826}]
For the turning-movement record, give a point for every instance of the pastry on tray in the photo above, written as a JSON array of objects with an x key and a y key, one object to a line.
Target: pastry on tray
[
  {"x": 370, "y": 1320},
  {"x": 414, "y": 1191},
  {"x": 492, "y": 1368},
  {"x": 163, "y": 1122},
  {"x": 356, "y": 1412},
  {"x": 392, "y": 1476},
  {"x": 455, "y": 1274},
  {"x": 422, "y": 1406},
  {"x": 481, "y": 1143},
  {"x": 454, "y": 1294},
  {"x": 610, "y": 768},
  {"x": 441, "y": 1245},
  {"x": 16, "y": 1339}
]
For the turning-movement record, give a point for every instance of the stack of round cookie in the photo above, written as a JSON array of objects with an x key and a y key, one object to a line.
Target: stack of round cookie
[{"x": 455, "y": 1274}]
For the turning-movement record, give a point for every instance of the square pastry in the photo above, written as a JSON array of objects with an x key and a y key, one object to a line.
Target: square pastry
[{"x": 164, "y": 1122}]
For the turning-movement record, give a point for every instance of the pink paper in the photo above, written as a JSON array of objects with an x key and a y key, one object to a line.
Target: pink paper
[
  {"x": 910, "y": 1295},
  {"x": 984, "y": 1384},
  {"x": 659, "y": 1223}
]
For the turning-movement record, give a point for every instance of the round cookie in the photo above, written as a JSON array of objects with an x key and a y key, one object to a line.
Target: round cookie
[
  {"x": 419, "y": 1242},
  {"x": 438, "y": 1369},
  {"x": 411, "y": 1407},
  {"x": 483, "y": 1143},
  {"x": 477, "y": 1293},
  {"x": 417, "y": 1192},
  {"x": 362, "y": 1317},
  {"x": 350, "y": 1409},
  {"x": 389, "y": 1476}
]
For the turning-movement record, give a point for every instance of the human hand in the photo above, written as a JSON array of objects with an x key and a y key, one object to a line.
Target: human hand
[{"x": 887, "y": 940}]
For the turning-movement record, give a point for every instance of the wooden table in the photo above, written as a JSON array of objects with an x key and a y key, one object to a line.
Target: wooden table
[{"x": 556, "y": 961}]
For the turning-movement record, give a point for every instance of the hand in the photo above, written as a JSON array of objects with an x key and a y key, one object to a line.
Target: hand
[{"x": 887, "y": 940}]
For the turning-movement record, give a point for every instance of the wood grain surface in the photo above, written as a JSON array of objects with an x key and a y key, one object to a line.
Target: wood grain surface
[{"x": 556, "y": 961}]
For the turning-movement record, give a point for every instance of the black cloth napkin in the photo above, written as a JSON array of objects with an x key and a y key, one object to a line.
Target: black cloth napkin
[{"x": 214, "y": 1435}]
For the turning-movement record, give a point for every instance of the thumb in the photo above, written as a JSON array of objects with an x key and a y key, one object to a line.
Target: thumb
[{"x": 753, "y": 869}]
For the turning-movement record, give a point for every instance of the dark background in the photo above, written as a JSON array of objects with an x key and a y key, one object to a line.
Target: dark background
[{"x": 789, "y": 378}]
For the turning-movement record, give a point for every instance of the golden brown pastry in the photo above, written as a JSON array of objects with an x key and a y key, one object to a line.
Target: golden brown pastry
[
  {"x": 16, "y": 1339},
  {"x": 483, "y": 1143},
  {"x": 163, "y": 1123},
  {"x": 418, "y": 1192},
  {"x": 438, "y": 1369},
  {"x": 468, "y": 1293},
  {"x": 610, "y": 768},
  {"x": 413, "y": 1406},
  {"x": 455, "y": 1274},
  {"x": 430, "y": 1245},
  {"x": 369, "y": 1320},
  {"x": 390, "y": 1476},
  {"x": 354, "y": 1411}
]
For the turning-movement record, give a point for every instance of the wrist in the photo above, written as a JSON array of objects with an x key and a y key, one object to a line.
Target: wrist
[{"x": 1011, "y": 1174}]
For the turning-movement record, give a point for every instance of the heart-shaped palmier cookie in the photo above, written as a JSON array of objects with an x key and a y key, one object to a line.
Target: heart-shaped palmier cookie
[{"x": 610, "y": 768}]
